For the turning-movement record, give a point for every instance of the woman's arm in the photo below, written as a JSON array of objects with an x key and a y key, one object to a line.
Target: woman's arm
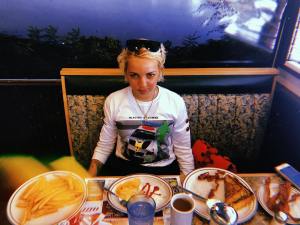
[
  {"x": 95, "y": 167},
  {"x": 106, "y": 140},
  {"x": 182, "y": 140}
]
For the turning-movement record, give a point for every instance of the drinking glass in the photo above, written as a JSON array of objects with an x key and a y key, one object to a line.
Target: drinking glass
[{"x": 141, "y": 210}]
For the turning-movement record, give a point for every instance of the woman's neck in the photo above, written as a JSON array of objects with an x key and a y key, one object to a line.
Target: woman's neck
[{"x": 148, "y": 98}]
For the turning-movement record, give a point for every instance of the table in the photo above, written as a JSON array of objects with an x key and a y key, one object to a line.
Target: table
[{"x": 255, "y": 180}]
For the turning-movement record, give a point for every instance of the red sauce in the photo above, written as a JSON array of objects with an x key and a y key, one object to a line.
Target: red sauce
[
  {"x": 147, "y": 190},
  {"x": 147, "y": 187},
  {"x": 156, "y": 188}
]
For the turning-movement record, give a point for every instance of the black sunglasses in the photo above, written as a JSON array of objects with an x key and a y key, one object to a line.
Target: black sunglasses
[{"x": 134, "y": 45}]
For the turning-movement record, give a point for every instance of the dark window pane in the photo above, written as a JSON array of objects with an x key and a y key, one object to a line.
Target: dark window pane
[{"x": 38, "y": 38}]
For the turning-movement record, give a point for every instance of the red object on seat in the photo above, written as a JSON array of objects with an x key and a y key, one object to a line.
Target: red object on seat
[{"x": 207, "y": 156}]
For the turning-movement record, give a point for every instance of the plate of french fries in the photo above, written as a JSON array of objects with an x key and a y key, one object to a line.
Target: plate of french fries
[{"x": 48, "y": 198}]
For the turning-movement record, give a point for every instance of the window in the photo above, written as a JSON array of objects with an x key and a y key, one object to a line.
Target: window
[
  {"x": 196, "y": 33},
  {"x": 293, "y": 56}
]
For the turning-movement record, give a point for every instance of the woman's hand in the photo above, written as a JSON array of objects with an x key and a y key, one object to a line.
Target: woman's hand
[
  {"x": 95, "y": 167},
  {"x": 182, "y": 177}
]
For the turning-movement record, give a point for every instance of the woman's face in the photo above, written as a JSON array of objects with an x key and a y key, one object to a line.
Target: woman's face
[{"x": 143, "y": 75}]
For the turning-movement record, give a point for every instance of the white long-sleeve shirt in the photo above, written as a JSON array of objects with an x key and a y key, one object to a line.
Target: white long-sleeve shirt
[{"x": 153, "y": 141}]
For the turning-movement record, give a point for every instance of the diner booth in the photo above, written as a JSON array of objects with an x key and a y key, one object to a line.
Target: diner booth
[
  {"x": 244, "y": 117},
  {"x": 227, "y": 108}
]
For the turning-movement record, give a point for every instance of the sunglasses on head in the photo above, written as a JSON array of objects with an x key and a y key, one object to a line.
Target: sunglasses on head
[{"x": 135, "y": 45}]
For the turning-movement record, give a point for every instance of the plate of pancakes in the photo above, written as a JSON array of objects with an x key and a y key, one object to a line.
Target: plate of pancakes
[{"x": 225, "y": 186}]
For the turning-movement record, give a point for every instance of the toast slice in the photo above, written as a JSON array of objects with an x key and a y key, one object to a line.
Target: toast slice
[
  {"x": 236, "y": 194},
  {"x": 241, "y": 203}
]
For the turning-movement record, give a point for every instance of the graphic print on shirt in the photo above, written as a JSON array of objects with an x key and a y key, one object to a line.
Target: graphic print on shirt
[{"x": 145, "y": 141}]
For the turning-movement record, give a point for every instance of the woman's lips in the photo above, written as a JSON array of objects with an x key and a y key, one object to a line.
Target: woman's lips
[{"x": 142, "y": 92}]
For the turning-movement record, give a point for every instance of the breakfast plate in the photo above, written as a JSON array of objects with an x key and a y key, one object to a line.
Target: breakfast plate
[
  {"x": 57, "y": 196},
  {"x": 294, "y": 206},
  {"x": 151, "y": 185},
  {"x": 196, "y": 183}
]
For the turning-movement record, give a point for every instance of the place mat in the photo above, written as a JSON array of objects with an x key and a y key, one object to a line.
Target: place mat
[{"x": 97, "y": 206}]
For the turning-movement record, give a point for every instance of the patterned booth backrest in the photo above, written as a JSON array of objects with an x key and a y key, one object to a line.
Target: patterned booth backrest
[{"x": 228, "y": 108}]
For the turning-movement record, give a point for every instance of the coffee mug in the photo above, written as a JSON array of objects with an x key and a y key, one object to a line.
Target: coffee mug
[{"x": 182, "y": 208}]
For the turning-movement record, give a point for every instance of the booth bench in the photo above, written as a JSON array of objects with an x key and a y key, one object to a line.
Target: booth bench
[{"x": 227, "y": 107}]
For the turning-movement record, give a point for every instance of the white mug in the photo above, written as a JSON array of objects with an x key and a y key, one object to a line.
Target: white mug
[{"x": 182, "y": 208}]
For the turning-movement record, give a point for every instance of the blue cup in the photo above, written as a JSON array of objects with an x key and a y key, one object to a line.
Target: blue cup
[{"x": 141, "y": 210}]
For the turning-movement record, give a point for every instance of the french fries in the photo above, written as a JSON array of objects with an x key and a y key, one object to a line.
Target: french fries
[{"x": 46, "y": 196}]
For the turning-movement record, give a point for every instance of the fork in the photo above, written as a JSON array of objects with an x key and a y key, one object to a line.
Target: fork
[{"x": 122, "y": 201}]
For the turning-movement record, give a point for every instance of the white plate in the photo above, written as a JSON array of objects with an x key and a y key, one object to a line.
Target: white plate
[
  {"x": 15, "y": 213},
  {"x": 162, "y": 200},
  {"x": 203, "y": 187},
  {"x": 294, "y": 206}
]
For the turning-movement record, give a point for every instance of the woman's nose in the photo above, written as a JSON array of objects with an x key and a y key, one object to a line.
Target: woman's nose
[{"x": 143, "y": 82}]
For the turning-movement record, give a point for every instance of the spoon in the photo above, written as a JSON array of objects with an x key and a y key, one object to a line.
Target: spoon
[
  {"x": 209, "y": 201},
  {"x": 219, "y": 211},
  {"x": 122, "y": 201},
  {"x": 279, "y": 218},
  {"x": 283, "y": 217},
  {"x": 223, "y": 214}
]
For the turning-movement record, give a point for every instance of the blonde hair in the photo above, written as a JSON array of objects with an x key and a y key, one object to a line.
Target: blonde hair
[{"x": 159, "y": 56}]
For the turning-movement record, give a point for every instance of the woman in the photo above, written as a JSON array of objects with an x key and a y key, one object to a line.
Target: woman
[{"x": 149, "y": 123}]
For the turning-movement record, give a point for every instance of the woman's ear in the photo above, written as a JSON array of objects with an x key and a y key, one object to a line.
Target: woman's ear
[
  {"x": 161, "y": 75},
  {"x": 125, "y": 78}
]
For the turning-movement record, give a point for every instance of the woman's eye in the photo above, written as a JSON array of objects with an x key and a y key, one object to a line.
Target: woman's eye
[
  {"x": 134, "y": 76},
  {"x": 150, "y": 75}
]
